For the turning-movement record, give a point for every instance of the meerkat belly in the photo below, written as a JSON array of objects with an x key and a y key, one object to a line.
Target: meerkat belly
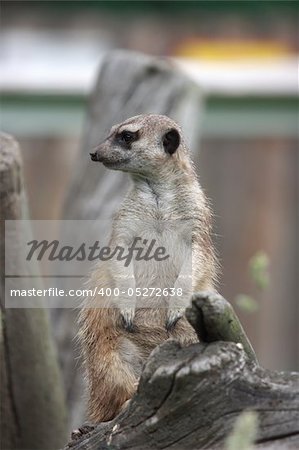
[{"x": 157, "y": 276}]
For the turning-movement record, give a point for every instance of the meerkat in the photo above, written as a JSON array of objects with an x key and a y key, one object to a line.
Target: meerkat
[{"x": 167, "y": 203}]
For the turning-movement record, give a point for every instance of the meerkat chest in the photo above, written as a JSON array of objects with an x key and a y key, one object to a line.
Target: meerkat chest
[
  {"x": 159, "y": 249},
  {"x": 153, "y": 223}
]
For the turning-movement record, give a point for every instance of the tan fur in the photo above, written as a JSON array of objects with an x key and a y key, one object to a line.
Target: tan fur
[{"x": 165, "y": 188}]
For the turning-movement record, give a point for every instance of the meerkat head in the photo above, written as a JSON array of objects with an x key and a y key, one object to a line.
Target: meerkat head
[{"x": 142, "y": 145}]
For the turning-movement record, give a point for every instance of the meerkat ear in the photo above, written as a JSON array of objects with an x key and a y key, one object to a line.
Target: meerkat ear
[{"x": 171, "y": 141}]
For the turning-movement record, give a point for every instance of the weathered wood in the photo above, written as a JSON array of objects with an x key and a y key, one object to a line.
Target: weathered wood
[
  {"x": 128, "y": 84},
  {"x": 33, "y": 414},
  {"x": 190, "y": 398},
  {"x": 215, "y": 320}
]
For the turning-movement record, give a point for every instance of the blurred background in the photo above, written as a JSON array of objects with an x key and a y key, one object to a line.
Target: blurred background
[{"x": 244, "y": 56}]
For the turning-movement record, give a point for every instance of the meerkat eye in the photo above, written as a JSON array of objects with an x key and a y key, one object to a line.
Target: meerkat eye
[{"x": 128, "y": 136}]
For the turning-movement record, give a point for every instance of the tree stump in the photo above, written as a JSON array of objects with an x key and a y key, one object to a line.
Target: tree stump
[
  {"x": 33, "y": 413},
  {"x": 190, "y": 398}
]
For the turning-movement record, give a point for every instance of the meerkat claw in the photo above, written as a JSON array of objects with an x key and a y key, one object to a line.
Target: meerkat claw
[
  {"x": 173, "y": 316},
  {"x": 127, "y": 316}
]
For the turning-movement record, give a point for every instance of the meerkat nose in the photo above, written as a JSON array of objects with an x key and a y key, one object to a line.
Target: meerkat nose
[{"x": 93, "y": 156}]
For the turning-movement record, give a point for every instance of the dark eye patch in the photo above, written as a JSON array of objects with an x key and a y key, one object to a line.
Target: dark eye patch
[{"x": 126, "y": 137}]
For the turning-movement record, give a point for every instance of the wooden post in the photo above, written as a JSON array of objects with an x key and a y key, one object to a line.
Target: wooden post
[{"x": 33, "y": 414}]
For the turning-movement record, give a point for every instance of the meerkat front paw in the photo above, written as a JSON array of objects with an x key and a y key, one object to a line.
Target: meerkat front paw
[
  {"x": 127, "y": 316},
  {"x": 173, "y": 316}
]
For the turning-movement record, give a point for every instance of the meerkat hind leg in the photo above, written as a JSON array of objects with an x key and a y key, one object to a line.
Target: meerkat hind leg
[{"x": 110, "y": 393}]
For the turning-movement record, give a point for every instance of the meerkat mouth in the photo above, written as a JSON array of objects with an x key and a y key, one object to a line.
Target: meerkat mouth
[
  {"x": 115, "y": 163},
  {"x": 109, "y": 163}
]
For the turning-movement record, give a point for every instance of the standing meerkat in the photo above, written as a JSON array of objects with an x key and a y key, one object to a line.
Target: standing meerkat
[{"x": 166, "y": 204}]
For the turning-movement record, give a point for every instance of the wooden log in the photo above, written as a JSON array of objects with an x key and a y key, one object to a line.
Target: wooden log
[
  {"x": 33, "y": 414},
  {"x": 216, "y": 320},
  {"x": 128, "y": 84},
  {"x": 190, "y": 398}
]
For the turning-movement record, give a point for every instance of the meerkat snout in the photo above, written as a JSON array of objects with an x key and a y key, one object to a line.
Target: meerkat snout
[{"x": 93, "y": 156}]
